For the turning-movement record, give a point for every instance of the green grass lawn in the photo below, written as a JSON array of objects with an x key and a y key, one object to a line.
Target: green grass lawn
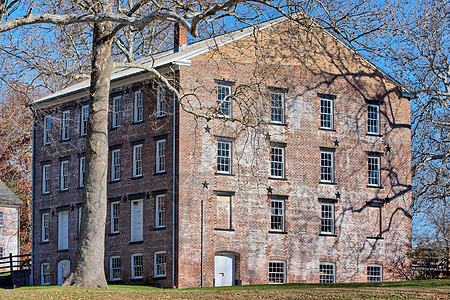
[{"x": 423, "y": 289}]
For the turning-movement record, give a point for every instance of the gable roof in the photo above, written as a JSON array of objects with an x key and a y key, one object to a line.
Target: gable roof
[
  {"x": 7, "y": 196},
  {"x": 182, "y": 57}
]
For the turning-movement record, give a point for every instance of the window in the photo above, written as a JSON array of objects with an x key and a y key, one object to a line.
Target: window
[
  {"x": 327, "y": 218},
  {"x": 326, "y": 113},
  {"x": 160, "y": 156},
  {"x": 65, "y": 125},
  {"x": 326, "y": 166},
  {"x": 138, "y": 107},
  {"x": 374, "y": 225},
  {"x": 374, "y": 170},
  {"x": 117, "y": 112},
  {"x": 137, "y": 221},
  {"x": 114, "y": 268},
  {"x": 47, "y": 130},
  {"x": 223, "y": 210},
  {"x": 160, "y": 211},
  {"x": 277, "y": 272},
  {"x": 45, "y": 179},
  {"x": 45, "y": 274},
  {"x": 137, "y": 266},
  {"x": 63, "y": 230},
  {"x": 160, "y": 264},
  {"x": 82, "y": 170},
  {"x": 2, "y": 218},
  {"x": 161, "y": 100},
  {"x": 327, "y": 272},
  {"x": 223, "y": 157},
  {"x": 373, "y": 119},
  {"x": 277, "y": 215},
  {"x": 115, "y": 165},
  {"x": 137, "y": 160},
  {"x": 45, "y": 227},
  {"x": 115, "y": 212},
  {"x": 277, "y": 107},
  {"x": 224, "y": 100},
  {"x": 80, "y": 209},
  {"x": 2, "y": 251},
  {"x": 64, "y": 184},
  {"x": 84, "y": 119},
  {"x": 277, "y": 162},
  {"x": 374, "y": 273}
]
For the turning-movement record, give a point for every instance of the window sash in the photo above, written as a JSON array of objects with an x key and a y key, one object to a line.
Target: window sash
[
  {"x": 45, "y": 227},
  {"x": 224, "y": 100},
  {"x": 114, "y": 268},
  {"x": 326, "y": 113},
  {"x": 45, "y": 179},
  {"x": 373, "y": 119},
  {"x": 82, "y": 170},
  {"x": 137, "y": 266},
  {"x": 160, "y": 264},
  {"x": 138, "y": 107},
  {"x": 115, "y": 213},
  {"x": 277, "y": 107},
  {"x": 47, "y": 129},
  {"x": 224, "y": 157},
  {"x": 161, "y": 100},
  {"x": 65, "y": 125},
  {"x": 277, "y": 162},
  {"x": 327, "y": 219},
  {"x": 137, "y": 226},
  {"x": 64, "y": 184},
  {"x": 326, "y": 166},
  {"x": 2, "y": 218},
  {"x": 84, "y": 119},
  {"x": 277, "y": 272},
  {"x": 117, "y": 112},
  {"x": 137, "y": 160},
  {"x": 374, "y": 273},
  {"x": 327, "y": 273},
  {"x": 45, "y": 274},
  {"x": 374, "y": 170},
  {"x": 160, "y": 211},
  {"x": 160, "y": 156},
  {"x": 115, "y": 165},
  {"x": 277, "y": 215}
]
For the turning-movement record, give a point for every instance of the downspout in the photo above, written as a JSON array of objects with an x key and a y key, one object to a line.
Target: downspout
[
  {"x": 33, "y": 160},
  {"x": 174, "y": 149}
]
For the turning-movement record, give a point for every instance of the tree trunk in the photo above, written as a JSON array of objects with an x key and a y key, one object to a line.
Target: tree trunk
[{"x": 89, "y": 269}]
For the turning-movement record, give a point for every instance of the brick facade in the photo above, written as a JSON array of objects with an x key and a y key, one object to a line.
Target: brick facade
[{"x": 371, "y": 223}]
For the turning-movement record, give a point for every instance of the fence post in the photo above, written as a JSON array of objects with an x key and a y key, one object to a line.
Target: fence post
[{"x": 10, "y": 263}]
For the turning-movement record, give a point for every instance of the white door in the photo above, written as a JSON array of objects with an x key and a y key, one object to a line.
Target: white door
[
  {"x": 63, "y": 230},
  {"x": 224, "y": 269},
  {"x": 137, "y": 221},
  {"x": 63, "y": 271}
]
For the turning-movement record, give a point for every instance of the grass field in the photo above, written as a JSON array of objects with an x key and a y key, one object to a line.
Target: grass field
[{"x": 424, "y": 289}]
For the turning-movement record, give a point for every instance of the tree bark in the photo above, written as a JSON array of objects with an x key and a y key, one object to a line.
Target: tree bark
[{"x": 89, "y": 261}]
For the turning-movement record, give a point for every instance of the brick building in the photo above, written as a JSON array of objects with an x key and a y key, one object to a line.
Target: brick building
[{"x": 301, "y": 175}]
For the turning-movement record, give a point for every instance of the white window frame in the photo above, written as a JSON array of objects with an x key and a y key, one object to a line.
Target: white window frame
[
  {"x": 45, "y": 275},
  {"x": 327, "y": 218},
  {"x": 160, "y": 216},
  {"x": 134, "y": 225},
  {"x": 2, "y": 218},
  {"x": 277, "y": 108},
  {"x": 224, "y": 101},
  {"x": 115, "y": 216},
  {"x": 63, "y": 241},
  {"x": 47, "y": 129},
  {"x": 275, "y": 275},
  {"x": 373, "y": 119},
  {"x": 138, "y": 107},
  {"x": 84, "y": 119},
  {"x": 374, "y": 278},
  {"x": 65, "y": 125},
  {"x": 161, "y": 106},
  {"x": 115, "y": 165},
  {"x": 374, "y": 180},
  {"x": 277, "y": 212},
  {"x": 117, "y": 112},
  {"x": 82, "y": 171},
  {"x": 326, "y": 113},
  {"x": 327, "y": 170},
  {"x": 328, "y": 277},
  {"x": 224, "y": 157},
  {"x": 133, "y": 266},
  {"x": 64, "y": 182},
  {"x": 137, "y": 160},
  {"x": 160, "y": 266},
  {"x": 114, "y": 267},
  {"x": 276, "y": 160},
  {"x": 46, "y": 179},
  {"x": 45, "y": 227},
  {"x": 161, "y": 155}
]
